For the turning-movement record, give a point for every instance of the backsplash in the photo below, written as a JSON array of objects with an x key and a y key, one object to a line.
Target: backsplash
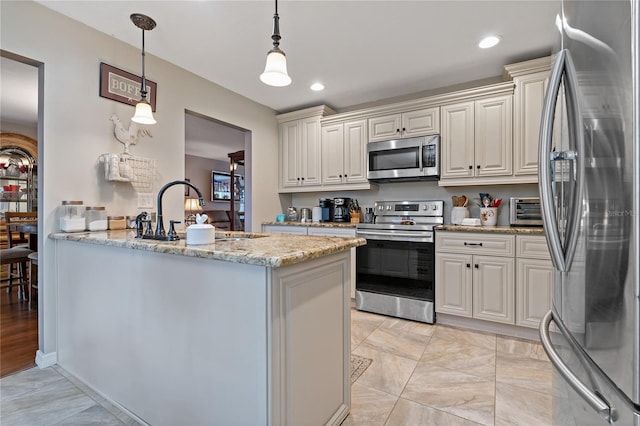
[{"x": 425, "y": 190}]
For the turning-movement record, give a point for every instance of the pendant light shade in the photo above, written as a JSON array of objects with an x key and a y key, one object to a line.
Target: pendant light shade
[
  {"x": 275, "y": 71},
  {"x": 144, "y": 113}
]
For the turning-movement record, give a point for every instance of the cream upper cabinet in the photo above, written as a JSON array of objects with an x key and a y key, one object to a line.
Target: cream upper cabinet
[
  {"x": 457, "y": 144},
  {"x": 494, "y": 137},
  {"x": 477, "y": 138},
  {"x": 344, "y": 155},
  {"x": 300, "y": 152},
  {"x": 405, "y": 125},
  {"x": 528, "y": 102},
  {"x": 300, "y": 149},
  {"x": 531, "y": 79}
]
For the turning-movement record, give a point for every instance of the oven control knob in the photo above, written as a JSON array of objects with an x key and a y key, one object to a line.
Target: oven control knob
[
  {"x": 434, "y": 207},
  {"x": 388, "y": 207},
  {"x": 425, "y": 207}
]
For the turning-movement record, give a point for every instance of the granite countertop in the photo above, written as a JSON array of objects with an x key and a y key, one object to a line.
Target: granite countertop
[
  {"x": 271, "y": 250},
  {"x": 526, "y": 230},
  {"x": 315, "y": 224}
]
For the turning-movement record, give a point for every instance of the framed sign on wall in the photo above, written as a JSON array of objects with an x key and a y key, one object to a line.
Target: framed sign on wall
[{"x": 122, "y": 86}]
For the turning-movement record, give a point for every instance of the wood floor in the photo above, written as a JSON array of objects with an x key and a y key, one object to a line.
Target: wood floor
[{"x": 18, "y": 333}]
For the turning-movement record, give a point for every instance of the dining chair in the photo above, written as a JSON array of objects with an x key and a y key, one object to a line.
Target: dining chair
[
  {"x": 17, "y": 253},
  {"x": 33, "y": 276}
]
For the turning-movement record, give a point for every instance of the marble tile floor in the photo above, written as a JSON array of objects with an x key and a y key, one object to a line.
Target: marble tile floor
[
  {"x": 421, "y": 374},
  {"x": 51, "y": 396},
  {"x": 425, "y": 374}
]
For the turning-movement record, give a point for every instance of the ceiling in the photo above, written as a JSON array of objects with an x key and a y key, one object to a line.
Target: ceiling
[{"x": 363, "y": 51}]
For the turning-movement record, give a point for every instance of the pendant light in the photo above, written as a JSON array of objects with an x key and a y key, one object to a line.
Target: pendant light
[
  {"x": 275, "y": 72},
  {"x": 143, "y": 114}
]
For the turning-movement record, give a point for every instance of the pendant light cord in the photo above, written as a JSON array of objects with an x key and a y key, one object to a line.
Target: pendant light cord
[
  {"x": 276, "y": 28},
  {"x": 143, "y": 83}
]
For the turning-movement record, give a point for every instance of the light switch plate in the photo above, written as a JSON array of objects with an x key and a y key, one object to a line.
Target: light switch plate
[{"x": 145, "y": 200}]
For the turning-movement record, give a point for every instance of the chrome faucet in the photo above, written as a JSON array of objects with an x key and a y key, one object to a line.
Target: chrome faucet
[{"x": 160, "y": 233}]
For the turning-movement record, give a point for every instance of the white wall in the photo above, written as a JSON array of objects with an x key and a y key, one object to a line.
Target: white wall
[
  {"x": 76, "y": 128},
  {"x": 21, "y": 128}
]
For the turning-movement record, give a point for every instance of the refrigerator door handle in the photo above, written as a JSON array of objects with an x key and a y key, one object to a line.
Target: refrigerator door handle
[
  {"x": 562, "y": 257},
  {"x": 597, "y": 403},
  {"x": 545, "y": 178}
]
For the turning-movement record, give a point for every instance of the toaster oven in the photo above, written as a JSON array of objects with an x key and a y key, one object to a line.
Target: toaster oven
[{"x": 525, "y": 211}]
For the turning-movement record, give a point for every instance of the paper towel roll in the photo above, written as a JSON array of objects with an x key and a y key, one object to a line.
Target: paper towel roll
[{"x": 316, "y": 214}]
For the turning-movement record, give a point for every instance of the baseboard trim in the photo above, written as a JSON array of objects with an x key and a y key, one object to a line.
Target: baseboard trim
[{"x": 46, "y": 360}]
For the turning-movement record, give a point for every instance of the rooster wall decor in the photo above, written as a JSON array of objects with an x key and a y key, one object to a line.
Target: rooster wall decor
[{"x": 128, "y": 136}]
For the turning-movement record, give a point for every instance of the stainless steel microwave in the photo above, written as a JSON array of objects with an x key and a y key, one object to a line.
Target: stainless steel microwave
[
  {"x": 404, "y": 159},
  {"x": 525, "y": 211}
]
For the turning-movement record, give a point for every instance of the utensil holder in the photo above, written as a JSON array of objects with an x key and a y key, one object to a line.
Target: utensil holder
[
  {"x": 457, "y": 214},
  {"x": 489, "y": 216}
]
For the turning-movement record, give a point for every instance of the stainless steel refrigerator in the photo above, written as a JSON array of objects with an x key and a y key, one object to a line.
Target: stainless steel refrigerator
[{"x": 589, "y": 185}]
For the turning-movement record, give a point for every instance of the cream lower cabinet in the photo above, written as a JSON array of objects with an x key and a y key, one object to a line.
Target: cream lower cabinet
[
  {"x": 475, "y": 275},
  {"x": 535, "y": 276}
]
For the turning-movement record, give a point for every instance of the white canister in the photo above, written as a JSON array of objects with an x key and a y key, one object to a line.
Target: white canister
[
  {"x": 96, "y": 218},
  {"x": 316, "y": 214},
  {"x": 459, "y": 213},
  {"x": 72, "y": 216}
]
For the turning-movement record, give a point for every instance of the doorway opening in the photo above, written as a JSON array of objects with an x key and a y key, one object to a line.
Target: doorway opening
[
  {"x": 20, "y": 175},
  {"x": 217, "y": 161}
]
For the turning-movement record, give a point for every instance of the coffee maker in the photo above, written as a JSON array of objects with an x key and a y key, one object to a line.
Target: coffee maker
[
  {"x": 341, "y": 209},
  {"x": 326, "y": 204}
]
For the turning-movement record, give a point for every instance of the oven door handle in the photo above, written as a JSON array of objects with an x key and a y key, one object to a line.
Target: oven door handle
[{"x": 402, "y": 236}]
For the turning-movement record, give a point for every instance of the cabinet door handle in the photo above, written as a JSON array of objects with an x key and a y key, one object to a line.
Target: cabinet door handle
[
  {"x": 404, "y": 130},
  {"x": 476, "y": 266},
  {"x": 468, "y": 265},
  {"x": 472, "y": 244},
  {"x": 298, "y": 178},
  {"x": 478, "y": 166},
  {"x": 397, "y": 130},
  {"x": 345, "y": 175},
  {"x": 302, "y": 178},
  {"x": 470, "y": 167},
  {"x": 341, "y": 176}
]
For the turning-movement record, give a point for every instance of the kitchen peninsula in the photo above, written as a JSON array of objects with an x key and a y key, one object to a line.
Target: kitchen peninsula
[{"x": 253, "y": 329}]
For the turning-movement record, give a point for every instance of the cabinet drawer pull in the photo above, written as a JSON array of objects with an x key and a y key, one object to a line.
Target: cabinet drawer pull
[{"x": 472, "y": 244}]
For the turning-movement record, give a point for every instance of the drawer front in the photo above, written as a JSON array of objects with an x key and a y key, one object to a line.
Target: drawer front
[
  {"x": 475, "y": 243},
  {"x": 331, "y": 232},
  {"x": 532, "y": 246}
]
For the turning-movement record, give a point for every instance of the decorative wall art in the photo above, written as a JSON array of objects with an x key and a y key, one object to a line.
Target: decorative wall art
[{"x": 122, "y": 86}]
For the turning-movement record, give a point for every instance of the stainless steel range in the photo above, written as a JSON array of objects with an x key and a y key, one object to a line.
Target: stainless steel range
[{"x": 395, "y": 271}]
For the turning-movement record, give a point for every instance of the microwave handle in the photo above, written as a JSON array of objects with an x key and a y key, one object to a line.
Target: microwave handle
[{"x": 420, "y": 154}]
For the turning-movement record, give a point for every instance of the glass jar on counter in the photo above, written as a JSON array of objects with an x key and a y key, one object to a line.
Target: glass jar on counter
[
  {"x": 72, "y": 216},
  {"x": 116, "y": 223},
  {"x": 96, "y": 218}
]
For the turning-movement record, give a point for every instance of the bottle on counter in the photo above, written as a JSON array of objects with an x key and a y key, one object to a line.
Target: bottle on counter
[
  {"x": 96, "y": 218},
  {"x": 72, "y": 216}
]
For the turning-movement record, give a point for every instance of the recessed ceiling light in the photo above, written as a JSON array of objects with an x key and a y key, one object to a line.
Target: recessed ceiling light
[
  {"x": 316, "y": 87},
  {"x": 488, "y": 42}
]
